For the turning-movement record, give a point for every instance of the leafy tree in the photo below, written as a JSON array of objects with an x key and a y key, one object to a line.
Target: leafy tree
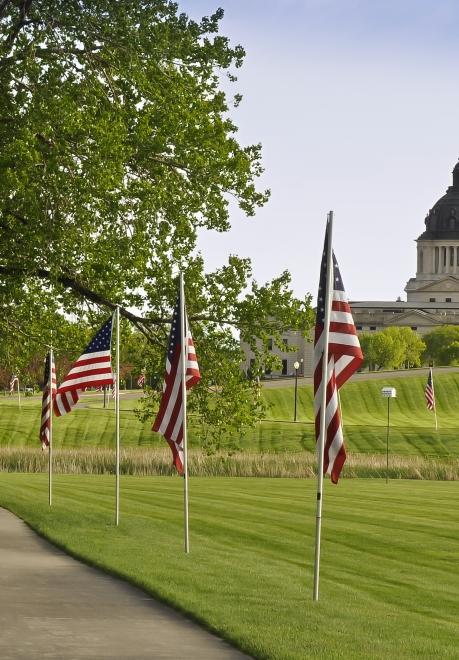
[
  {"x": 442, "y": 345},
  {"x": 116, "y": 148},
  {"x": 392, "y": 348}
]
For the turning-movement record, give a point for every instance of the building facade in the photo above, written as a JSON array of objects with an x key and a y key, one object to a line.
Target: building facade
[{"x": 432, "y": 296}]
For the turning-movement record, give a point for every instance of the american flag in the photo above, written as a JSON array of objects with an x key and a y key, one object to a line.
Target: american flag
[
  {"x": 13, "y": 381},
  {"x": 344, "y": 357},
  {"x": 141, "y": 380},
  {"x": 169, "y": 420},
  {"x": 47, "y": 399},
  {"x": 429, "y": 392},
  {"x": 92, "y": 369}
]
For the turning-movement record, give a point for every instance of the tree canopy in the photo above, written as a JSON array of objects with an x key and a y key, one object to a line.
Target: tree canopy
[
  {"x": 442, "y": 345},
  {"x": 392, "y": 348},
  {"x": 117, "y": 145}
]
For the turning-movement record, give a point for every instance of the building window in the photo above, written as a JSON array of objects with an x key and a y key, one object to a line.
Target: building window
[
  {"x": 421, "y": 261},
  {"x": 431, "y": 299},
  {"x": 443, "y": 257},
  {"x": 285, "y": 340},
  {"x": 436, "y": 259},
  {"x": 451, "y": 256},
  {"x": 372, "y": 327},
  {"x": 270, "y": 344},
  {"x": 447, "y": 299},
  {"x": 358, "y": 327},
  {"x": 284, "y": 367},
  {"x": 414, "y": 327}
]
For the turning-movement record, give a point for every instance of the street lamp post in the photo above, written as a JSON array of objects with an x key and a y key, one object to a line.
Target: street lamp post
[{"x": 296, "y": 366}]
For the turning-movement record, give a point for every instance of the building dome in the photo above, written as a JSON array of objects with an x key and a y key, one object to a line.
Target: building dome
[{"x": 442, "y": 221}]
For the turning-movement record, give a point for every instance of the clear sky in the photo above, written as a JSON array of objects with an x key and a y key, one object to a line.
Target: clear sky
[{"x": 356, "y": 104}]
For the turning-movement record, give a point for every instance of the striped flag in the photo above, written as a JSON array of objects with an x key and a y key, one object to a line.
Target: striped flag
[
  {"x": 47, "y": 399},
  {"x": 13, "y": 381},
  {"x": 92, "y": 369},
  {"x": 169, "y": 420},
  {"x": 141, "y": 380},
  {"x": 344, "y": 357},
  {"x": 429, "y": 392}
]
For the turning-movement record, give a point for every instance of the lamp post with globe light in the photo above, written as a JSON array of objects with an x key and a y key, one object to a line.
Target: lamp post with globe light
[{"x": 296, "y": 366}]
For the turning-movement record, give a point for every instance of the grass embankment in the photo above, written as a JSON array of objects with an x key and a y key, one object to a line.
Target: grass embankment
[
  {"x": 275, "y": 447},
  {"x": 389, "y": 581}
]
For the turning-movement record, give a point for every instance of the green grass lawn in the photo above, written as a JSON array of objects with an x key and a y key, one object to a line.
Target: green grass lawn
[
  {"x": 412, "y": 429},
  {"x": 389, "y": 581}
]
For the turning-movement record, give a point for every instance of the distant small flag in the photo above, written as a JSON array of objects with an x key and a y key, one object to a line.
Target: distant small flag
[
  {"x": 344, "y": 358},
  {"x": 169, "y": 420},
  {"x": 429, "y": 392},
  {"x": 92, "y": 369},
  {"x": 141, "y": 380},
  {"x": 14, "y": 380},
  {"x": 48, "y": 398}
]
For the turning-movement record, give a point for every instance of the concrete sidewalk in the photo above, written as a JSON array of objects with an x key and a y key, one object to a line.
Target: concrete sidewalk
[{"x": 54, "y": 607}]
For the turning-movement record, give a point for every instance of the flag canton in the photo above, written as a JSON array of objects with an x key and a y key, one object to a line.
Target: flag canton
[
  {"x": 337, "y": 285},
  {"x": 102, "y": 341},
  {"x": 337, "y": 279},
  {"x": 46, "y": 372},
  {"x": 174, "y": 337}
]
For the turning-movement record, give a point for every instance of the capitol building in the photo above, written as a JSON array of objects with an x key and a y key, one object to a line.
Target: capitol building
[{"x": 432, "y": 296}]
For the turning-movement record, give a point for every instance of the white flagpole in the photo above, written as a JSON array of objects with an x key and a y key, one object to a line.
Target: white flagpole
[
  {"x": 323, "y": 404},
  {"x": 117, "y": 414},
  {"x": 185, "y": 446},
  {"x": 50, "y": 438},
  {"x": 434, "y": 399}
]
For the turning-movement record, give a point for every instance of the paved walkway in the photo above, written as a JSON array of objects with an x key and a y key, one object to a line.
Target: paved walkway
[{"x": 54, "y": 607}]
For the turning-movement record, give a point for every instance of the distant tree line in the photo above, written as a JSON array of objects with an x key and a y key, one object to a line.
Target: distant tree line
[{"x": 395, "y": 348}]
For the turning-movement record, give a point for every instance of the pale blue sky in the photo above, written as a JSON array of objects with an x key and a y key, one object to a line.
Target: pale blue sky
[{"x": 356, "y": 104}]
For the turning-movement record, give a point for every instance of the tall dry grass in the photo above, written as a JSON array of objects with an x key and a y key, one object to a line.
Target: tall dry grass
[{"x": 145, "y": 462}]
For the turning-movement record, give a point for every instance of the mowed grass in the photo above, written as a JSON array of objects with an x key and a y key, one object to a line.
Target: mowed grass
[
  {"x": 412, "y": 430},
  {"x": 389, "y": 585}
]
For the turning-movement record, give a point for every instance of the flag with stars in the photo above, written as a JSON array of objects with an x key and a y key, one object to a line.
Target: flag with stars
[
  {"x": 429, "y": 392},
  {"x": 48, "y": 397},
  {"x": 92, "y": 369},
  {"x": 344, "y": 358},
  {"x": 169, "y": 420}
]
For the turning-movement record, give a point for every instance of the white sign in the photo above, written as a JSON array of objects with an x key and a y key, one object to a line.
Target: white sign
[{"x": 389, "y": 392}]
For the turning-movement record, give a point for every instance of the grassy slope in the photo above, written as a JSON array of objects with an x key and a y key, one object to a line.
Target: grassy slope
[
  {"x": 389, "y": 580},
  {"x": 364, "y": 412}
]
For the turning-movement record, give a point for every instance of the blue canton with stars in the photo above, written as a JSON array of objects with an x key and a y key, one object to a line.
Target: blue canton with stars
[
  {"x": 102, "y": 340},
  {"x": 337, "y": 283},
  {"x": 174, "y": 336}
]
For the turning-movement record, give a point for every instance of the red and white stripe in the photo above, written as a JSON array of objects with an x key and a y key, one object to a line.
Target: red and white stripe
[
  {"x": 344, "y": 358},
  {"x": 48, "y": 397},
  {"x": 90, "y": 370},
  {"x": 169, "y": 421}
]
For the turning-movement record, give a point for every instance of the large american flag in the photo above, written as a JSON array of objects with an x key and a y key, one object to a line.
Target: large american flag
[
  {"x": 429, "y": 392},
  {"x": 344, "y": 357},
  {"x": 169, "y": 420},
  {"x": 92, "y": 369},
  {"x": 48, "y": 397}
]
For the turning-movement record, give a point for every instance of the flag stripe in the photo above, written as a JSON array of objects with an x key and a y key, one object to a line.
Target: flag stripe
[
  {"x": 169, "y": 420},
  {"x": 92, "y": 369},
  {"x": 344, "y": 358}
]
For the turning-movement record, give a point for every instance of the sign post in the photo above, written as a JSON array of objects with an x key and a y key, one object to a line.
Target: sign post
[{"x": 388, "y": 393}]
